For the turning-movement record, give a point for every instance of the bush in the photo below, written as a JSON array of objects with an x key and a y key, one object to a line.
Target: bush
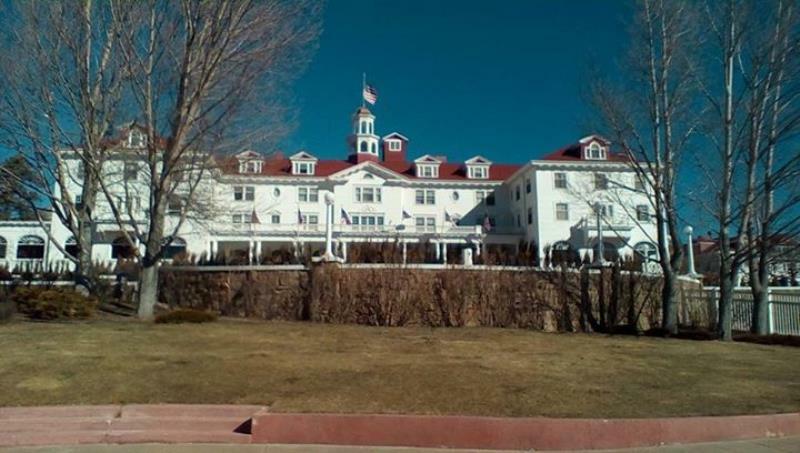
[
  {"x": 183, "y": 315},
  {"x": 7, "y": 310},
  {"x": 53, "y": 303},
  {"x": 774, "y": 339}
]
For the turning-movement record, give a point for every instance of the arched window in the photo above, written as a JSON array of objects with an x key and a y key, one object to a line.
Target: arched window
[
  {"x": 595, "y": 151},
  {"x": 363, "y": 127},
  {"x": 610, "y": 251},
  {"x": 176, "y": 248},
  {"x": 121, "y": 249},
  {"x": 645, "y": 252},
  {"x": 563, "y": 253},
  {"x": 374, "y": 148},
  {"x": 371, "y": 128},
  {"x": 363, "y": 147},
  {"x": 30, "y": 248},
  {"x": 71, "y": 247},
  {"x": 3, "y": 246}
]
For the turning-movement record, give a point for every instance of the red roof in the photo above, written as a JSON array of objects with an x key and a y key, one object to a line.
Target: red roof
[{"x": 279, "y": 165}]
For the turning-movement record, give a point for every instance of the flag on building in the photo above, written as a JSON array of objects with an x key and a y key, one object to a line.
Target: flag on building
[
  {"x": 346, "y": 217},
  {"x": 299, "y": 217},
  {"x": 406, "y": 215},
  {"x": 370, "y": 94},
  {"x": 487, "y": 224},
  {"x": 254, "y": 217},
  {"x": 447, "y": 216}
]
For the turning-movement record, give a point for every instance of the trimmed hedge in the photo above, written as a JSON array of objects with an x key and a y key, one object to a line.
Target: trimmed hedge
[
  {"x": 185, "y": 315},
  {"x": 47, "y": 304}
]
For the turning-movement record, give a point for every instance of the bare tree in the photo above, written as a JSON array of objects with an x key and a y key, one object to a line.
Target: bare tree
[
  {"x": 62, "y": 88},
  {"x": 751, "y": 48},
  {"x": 205, "y": 79},
  {"x": 651, "y": 116}
]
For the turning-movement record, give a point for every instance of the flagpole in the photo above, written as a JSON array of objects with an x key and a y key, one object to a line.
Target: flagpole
[{"x": 363, "y": 87}]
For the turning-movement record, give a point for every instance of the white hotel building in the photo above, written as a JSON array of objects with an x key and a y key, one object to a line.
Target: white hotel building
[{"x": 266, "y": 202}]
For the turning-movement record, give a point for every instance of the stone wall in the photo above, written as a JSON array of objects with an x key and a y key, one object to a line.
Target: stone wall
[{"x": 445, "y": 297}]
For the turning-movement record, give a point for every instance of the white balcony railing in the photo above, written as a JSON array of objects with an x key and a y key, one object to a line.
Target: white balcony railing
[{"x": 289, "y": 229}]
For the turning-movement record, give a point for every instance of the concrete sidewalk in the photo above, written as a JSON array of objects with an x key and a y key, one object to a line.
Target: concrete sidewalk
[{"x": 774, "y": 445}]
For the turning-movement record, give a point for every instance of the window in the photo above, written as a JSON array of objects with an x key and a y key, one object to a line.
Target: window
[
  {"x": 595, "y": 152},
  {"x": 480, "y": 195},
  {"x": 175, "y": 205},
  {"x": 481, "y": 172},
  {"x": 642, "y": 213},
  {"x": 425, "y": 196},
  {"x": 562, "y": 211},
  {"x": 560, "y": 180},
  {"x": 275, "y": 219},
  {"x": 368, "y": 194},
  {"x": 81, "y": 169},
  {"x": 375, "y": 148},
  {"x": 363, "y": 147},
  {"x": 455, "y": 196},
  {"x": 78, "y": 201},
  {"x": 130, "y": 171},
  {"x": 394, "y": 145},
  {"x": 426, "y": 224},
  {"x": 607, "y": 210},
  {"x": 308, "y": 194},
  {"x": 244, "y": 193},
  {"x": 490, "y": 199},
  {"x": 646, "y": 251},
  {"x": 175, "y": 249},
  {"x": 530, "y": 216},
  {"x": 516, "y": 192},
  {"x": 638, "y": 183},
  {"x": 367, "y": 222},
  {"x": 276, "y": 192},
  {"x": 600, "y": 181},
  {"x": 121, "y": 248},
  {"x": 363, "y": 127},
  {"x": 309, "y": 218},
  {"x": 136, "y": 139},
  {"x": 249, "y": 166},
  {"x": 527, "y": 185},
  {"x": 427, "y": 171},
  {"x": 71, "y": 247},
  {"x": 303, "y": 168},
  {"x": 242, "y": 218},
  {"x": 3, "y": 247}
]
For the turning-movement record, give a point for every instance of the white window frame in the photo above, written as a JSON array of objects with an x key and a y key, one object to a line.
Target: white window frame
[
  {"x": 368, "y": 221},
  {"x": 308, "y": 194},
  {"x": 428, "y": 197},
  {"x": 303, "y": 168},
  {"x": 595, "y": 152},
  {"x": 428, "y": 171},
  {"x": 643, "y": 213},
  {"x": 564, "y": 211},
  {"x": 130, "y": 171},
  {"x": 241, "y": 219},
  {"x": 480, "y": 196},
  {"x": 425, "y": 223},
  {"x": 244, "y": 193},
  {"x": 478, "y": 172},
  {"x": 308, "y": 217},
  {"x": 560, "y": 178},
  {"x": 600, "y": 181},
  {"x": 362, "y": 191},
  {"x": 395, "y": 145},
  {"x": 137, "y": 139}
]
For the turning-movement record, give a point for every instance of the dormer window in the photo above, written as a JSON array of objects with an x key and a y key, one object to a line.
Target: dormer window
[
  {"x": 427, "y": 171},
  {"x": 478, "y": 168},
  {"x": 303, "y": 163},
  {"x": 395, "y": 145},
  {"x": 250, "y": 166},
  {"x": 478, "y": 172},
  {"x": 136, "y": 139},
  {"x": 595, "y": 152}
]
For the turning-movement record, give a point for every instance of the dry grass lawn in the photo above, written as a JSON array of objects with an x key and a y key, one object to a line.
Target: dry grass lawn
[{"x": 328, "y": 368}]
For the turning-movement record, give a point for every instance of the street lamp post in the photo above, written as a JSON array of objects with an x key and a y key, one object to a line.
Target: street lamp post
[
  {"x": 328, "y": 256},
  {"x": 690, "y": 251}
]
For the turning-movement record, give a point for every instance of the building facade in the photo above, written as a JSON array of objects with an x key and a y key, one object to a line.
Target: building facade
[{"x": 563, "y": 205}]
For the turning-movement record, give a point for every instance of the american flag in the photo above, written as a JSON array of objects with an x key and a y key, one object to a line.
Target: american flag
[
  {"x": 406, "y": 215},
  {"x": 487, "y": 224},
  {"x": 254, "y": 217},
  {"x": 346, "y": 217},
  {"x": 370, "y": 94},
  {"x": 299, "y": 217}
]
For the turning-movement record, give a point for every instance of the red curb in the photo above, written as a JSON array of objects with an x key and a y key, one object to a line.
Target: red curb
[{"x": 513, "y": 433}]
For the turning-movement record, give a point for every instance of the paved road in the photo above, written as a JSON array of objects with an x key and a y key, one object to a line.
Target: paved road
[{"x": 782, "y": 445}]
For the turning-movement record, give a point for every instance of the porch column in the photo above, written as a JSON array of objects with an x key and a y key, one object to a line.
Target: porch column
[
  {"x": 405, "y": 252},
  {"x": 250, "y": 247},
  {"x": 444, "y": 252},
  {"x": 478, "y": 248},
  {"x": 438, "y": 252},
  {"x": 258, "y": 252},
  {"x": 210, "y": 249},
  {"x": 344, "y": 251}
]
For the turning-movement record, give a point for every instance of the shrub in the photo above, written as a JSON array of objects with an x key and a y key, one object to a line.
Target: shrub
[
  {"x": 53, "y": 303},
  {"x": 183, "y": 315},
  {"x": 7, "y": 310}
]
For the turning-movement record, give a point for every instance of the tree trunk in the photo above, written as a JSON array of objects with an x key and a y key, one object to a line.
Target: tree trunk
[
  {"x": 148, "y": 290},
  {"x": 725, "y": 311},
  {"x": 760, "y": 323},
  {"x": 669, "y": 307}
]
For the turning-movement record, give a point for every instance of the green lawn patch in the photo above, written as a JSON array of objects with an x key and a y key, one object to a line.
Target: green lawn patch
[{"x": 332, "y": 368}]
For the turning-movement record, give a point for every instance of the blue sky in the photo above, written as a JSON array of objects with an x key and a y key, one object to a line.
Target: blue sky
[{"x": 459, "y": 78}]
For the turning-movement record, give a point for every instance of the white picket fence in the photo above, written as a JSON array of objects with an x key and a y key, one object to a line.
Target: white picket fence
[{"x": 783, "y": 311}]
